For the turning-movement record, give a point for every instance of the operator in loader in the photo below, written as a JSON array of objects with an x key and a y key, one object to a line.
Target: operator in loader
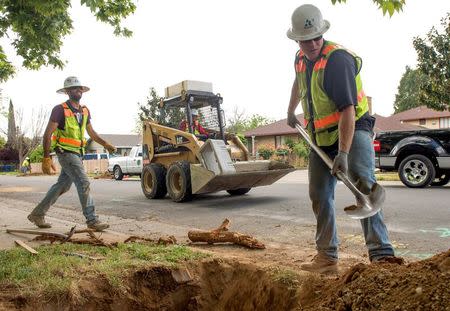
[
  {"x": 199, "y": 131},
  {"x": 65, "y": 135},
  {"x": 328, "y": 83}
]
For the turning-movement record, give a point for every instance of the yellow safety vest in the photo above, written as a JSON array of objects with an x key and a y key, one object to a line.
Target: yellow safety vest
[
  {"x": 72, "y": 137},
  {"x": 325, "y": 116}
]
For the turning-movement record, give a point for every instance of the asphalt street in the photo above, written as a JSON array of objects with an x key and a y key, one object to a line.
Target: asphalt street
[{"x": 418, "y": 219}]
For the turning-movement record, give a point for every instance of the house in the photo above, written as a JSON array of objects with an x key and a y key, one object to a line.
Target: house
[
  {"x": 123, "y": 143},
  {"x": 276, "y": 134},
  {"x": 425, "y": 117}
]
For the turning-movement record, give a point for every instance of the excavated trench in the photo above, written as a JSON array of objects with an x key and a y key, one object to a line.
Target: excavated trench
[{"x": 217, "y": 284}]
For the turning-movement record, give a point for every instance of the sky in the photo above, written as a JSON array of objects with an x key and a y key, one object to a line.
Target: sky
[{"x": 239, "y": 46}]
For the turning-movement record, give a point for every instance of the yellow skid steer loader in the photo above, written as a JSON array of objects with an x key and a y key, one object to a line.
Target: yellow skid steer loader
[{"x": 182, "y": 164}]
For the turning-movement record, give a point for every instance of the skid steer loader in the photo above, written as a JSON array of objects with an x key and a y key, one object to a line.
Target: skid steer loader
[{"x": 181, "y": 164}]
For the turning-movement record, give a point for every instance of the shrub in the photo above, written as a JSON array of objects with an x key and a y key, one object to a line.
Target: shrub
[
  {"x": 282, "y": 150},
  {"x": 266, "y": 151},
  {"x": 9, "y": 155},
  {"x": 301, "y": 149},
  {"x": 37, "y": 154}
]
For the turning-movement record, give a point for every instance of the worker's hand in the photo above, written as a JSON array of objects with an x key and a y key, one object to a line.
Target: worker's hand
[
  {"x": 46, "y": 165},
  {"x": 110, "y": 148},
  {"x": 340, "y": 163},
  {"x": 292, "y": 119}
]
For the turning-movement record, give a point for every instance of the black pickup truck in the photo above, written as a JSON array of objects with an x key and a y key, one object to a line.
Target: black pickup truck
[{"x": 421, "y": 157}]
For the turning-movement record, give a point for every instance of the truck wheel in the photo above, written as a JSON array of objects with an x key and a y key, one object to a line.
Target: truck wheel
[
  {"x": 178, "y": 181},
  {"x": 441, "y": 179},
  {"x": 416, "y": 171},
  {"x": 118, "y": 175},
  {"x": 239, "y": 191},
  {"x": 153, "y": 181}
]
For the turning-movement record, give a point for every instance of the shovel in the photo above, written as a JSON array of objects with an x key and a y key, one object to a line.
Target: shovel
[{"x": 366, "y": 205}]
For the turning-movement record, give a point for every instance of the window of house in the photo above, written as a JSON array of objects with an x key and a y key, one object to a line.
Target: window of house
[
  {"x": 444, "y": 123},
  {"x": 422, "y": 121},
  {"x": 279, "y": 140}
]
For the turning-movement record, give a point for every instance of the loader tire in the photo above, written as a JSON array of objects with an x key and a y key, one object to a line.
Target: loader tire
[
  {"x": 239, "y": 191},
  {"x": 153, "y": 181},
  {"x": 178, "y": 181}
]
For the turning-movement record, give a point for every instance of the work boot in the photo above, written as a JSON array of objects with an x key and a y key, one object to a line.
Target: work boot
[
  {"x": 39, "y": 221},
  {"x": 389, "y": 259},
  {"x": 321, "y": 264},
  {"x": 98, "y": 225}
]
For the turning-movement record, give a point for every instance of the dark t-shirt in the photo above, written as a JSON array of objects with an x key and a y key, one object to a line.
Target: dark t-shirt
[
  {"x": 339, "y": 84},
  {"x": 57, "y": 115}
]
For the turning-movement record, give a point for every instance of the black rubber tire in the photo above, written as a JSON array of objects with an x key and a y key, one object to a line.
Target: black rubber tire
[
  {"x": 117, "y": 172},
  {"x": 416, "y": 171},
  {"x": 239, "y": 191},
  {"x": 441, "y": 179},
  {"x": 178, "y": 181},
  {"x": 153, "y": 181}
]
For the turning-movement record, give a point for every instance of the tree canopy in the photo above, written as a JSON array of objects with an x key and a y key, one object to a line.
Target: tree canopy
[
  {"x": 408, "y": 95},
  {"x": 433, "y": 54},
  {"x": 37, "y": 27},
  {"x": 387, "y": 6}
]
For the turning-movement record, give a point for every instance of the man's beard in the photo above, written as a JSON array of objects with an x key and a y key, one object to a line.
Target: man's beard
[{"x": 75, "y": 97}]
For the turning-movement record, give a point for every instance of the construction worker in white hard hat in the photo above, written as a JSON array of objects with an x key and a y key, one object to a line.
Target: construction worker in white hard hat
[
  {"x": 65, "y": 135},
  {"x": 26, "y": 166},
  {"x": 336, "y": 114}
]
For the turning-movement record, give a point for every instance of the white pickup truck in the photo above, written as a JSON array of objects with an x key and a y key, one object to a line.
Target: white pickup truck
[{"x": 127, "y": 165}]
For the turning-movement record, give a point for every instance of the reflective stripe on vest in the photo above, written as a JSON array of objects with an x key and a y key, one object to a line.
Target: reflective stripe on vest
[
  {"x": 325, "y": 114},
  {"x": 72, "y": 137}
]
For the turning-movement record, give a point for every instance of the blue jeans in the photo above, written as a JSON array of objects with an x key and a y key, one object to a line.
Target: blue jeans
[
  {"x": 322, "y": 184},
  {"x": 72, "y": 171}
]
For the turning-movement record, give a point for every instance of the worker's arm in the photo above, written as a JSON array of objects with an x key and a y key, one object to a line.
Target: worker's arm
[
  {"x": 202, "y": 130},
  {"x": 47, "y": 139},
  {"x": 346, "y": 128},
  {"x": 293, "y": 103},
  {"x": 346, "y": 131},
  {"x": 93, "y": 134}
]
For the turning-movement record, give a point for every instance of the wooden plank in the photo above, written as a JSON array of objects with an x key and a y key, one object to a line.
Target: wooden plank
[{"x": 24, "y": 245}]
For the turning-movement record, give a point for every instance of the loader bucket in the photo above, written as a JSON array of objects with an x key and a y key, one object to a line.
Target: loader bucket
[{"x": 249, "y": 174}]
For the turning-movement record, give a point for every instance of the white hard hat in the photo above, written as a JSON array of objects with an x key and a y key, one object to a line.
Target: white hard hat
[
  {"x": 71, "y": 82},
  {"x": 307, "y": 23}
]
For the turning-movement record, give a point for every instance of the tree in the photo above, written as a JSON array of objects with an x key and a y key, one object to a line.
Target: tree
[
  {"x": 17, "y": 141},
  {"x": 2, "y": 142},
  {"x": 255, "y": 121},
  {"x": 387, "y": 6},
  {"x": 153, "y": 111},
  {"x": 408, "y": 93},
  {"x": 237, "y": 121},
  {"x": 38, "y": 27},
  {"x": 12, "y": 131},
  {"x": 433, "y": 54}
]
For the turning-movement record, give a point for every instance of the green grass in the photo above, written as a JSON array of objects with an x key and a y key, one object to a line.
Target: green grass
[
  {"x": 51, "y": 273},
  {"x": 14, "y": 173},
  {"x": 387, "y": 176},
  {"x": 285, "y": 276}
]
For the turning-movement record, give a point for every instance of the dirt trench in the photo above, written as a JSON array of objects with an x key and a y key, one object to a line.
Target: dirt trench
[{"x": 219, "y": 284}]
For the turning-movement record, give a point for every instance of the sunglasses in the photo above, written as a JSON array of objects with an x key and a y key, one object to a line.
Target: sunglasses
[{"x": 309, "y": 41}]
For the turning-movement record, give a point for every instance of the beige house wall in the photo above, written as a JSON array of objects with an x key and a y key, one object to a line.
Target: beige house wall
[{"x": 429, "y": 123}]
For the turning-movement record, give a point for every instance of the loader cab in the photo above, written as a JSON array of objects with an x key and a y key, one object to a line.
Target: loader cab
[{"x": 208, "y": 105}]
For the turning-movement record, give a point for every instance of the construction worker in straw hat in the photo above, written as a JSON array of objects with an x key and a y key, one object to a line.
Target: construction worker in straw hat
[
  {"x": 65, "y": 135},
  {"x": 328, "y": 84}
]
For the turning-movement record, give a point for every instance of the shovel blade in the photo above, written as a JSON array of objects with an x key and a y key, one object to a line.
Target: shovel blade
[{"x": 369, "y": 205}]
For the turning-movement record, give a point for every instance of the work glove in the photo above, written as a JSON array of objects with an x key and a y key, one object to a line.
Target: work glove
[
  {"x": 46, "y": 165},
  {"x": 340, "y": 163},
  {"x": 292, "y": 119},
  {"x": 110, "y": 148}
]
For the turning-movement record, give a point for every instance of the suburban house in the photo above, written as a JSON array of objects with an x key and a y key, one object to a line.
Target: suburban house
[
  {"x": 276, "y": 134},
  {"x": 123, "y": 143},
  {"x": 425, "y": 117}
]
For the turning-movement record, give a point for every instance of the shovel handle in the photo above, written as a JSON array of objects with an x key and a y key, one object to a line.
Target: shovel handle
[{"x": 343, "y": 177}]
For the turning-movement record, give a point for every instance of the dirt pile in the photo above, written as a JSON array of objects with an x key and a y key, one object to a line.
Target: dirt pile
[
  {"x": 422, "y": 285},
  {"x": 217, "y": 284}
]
